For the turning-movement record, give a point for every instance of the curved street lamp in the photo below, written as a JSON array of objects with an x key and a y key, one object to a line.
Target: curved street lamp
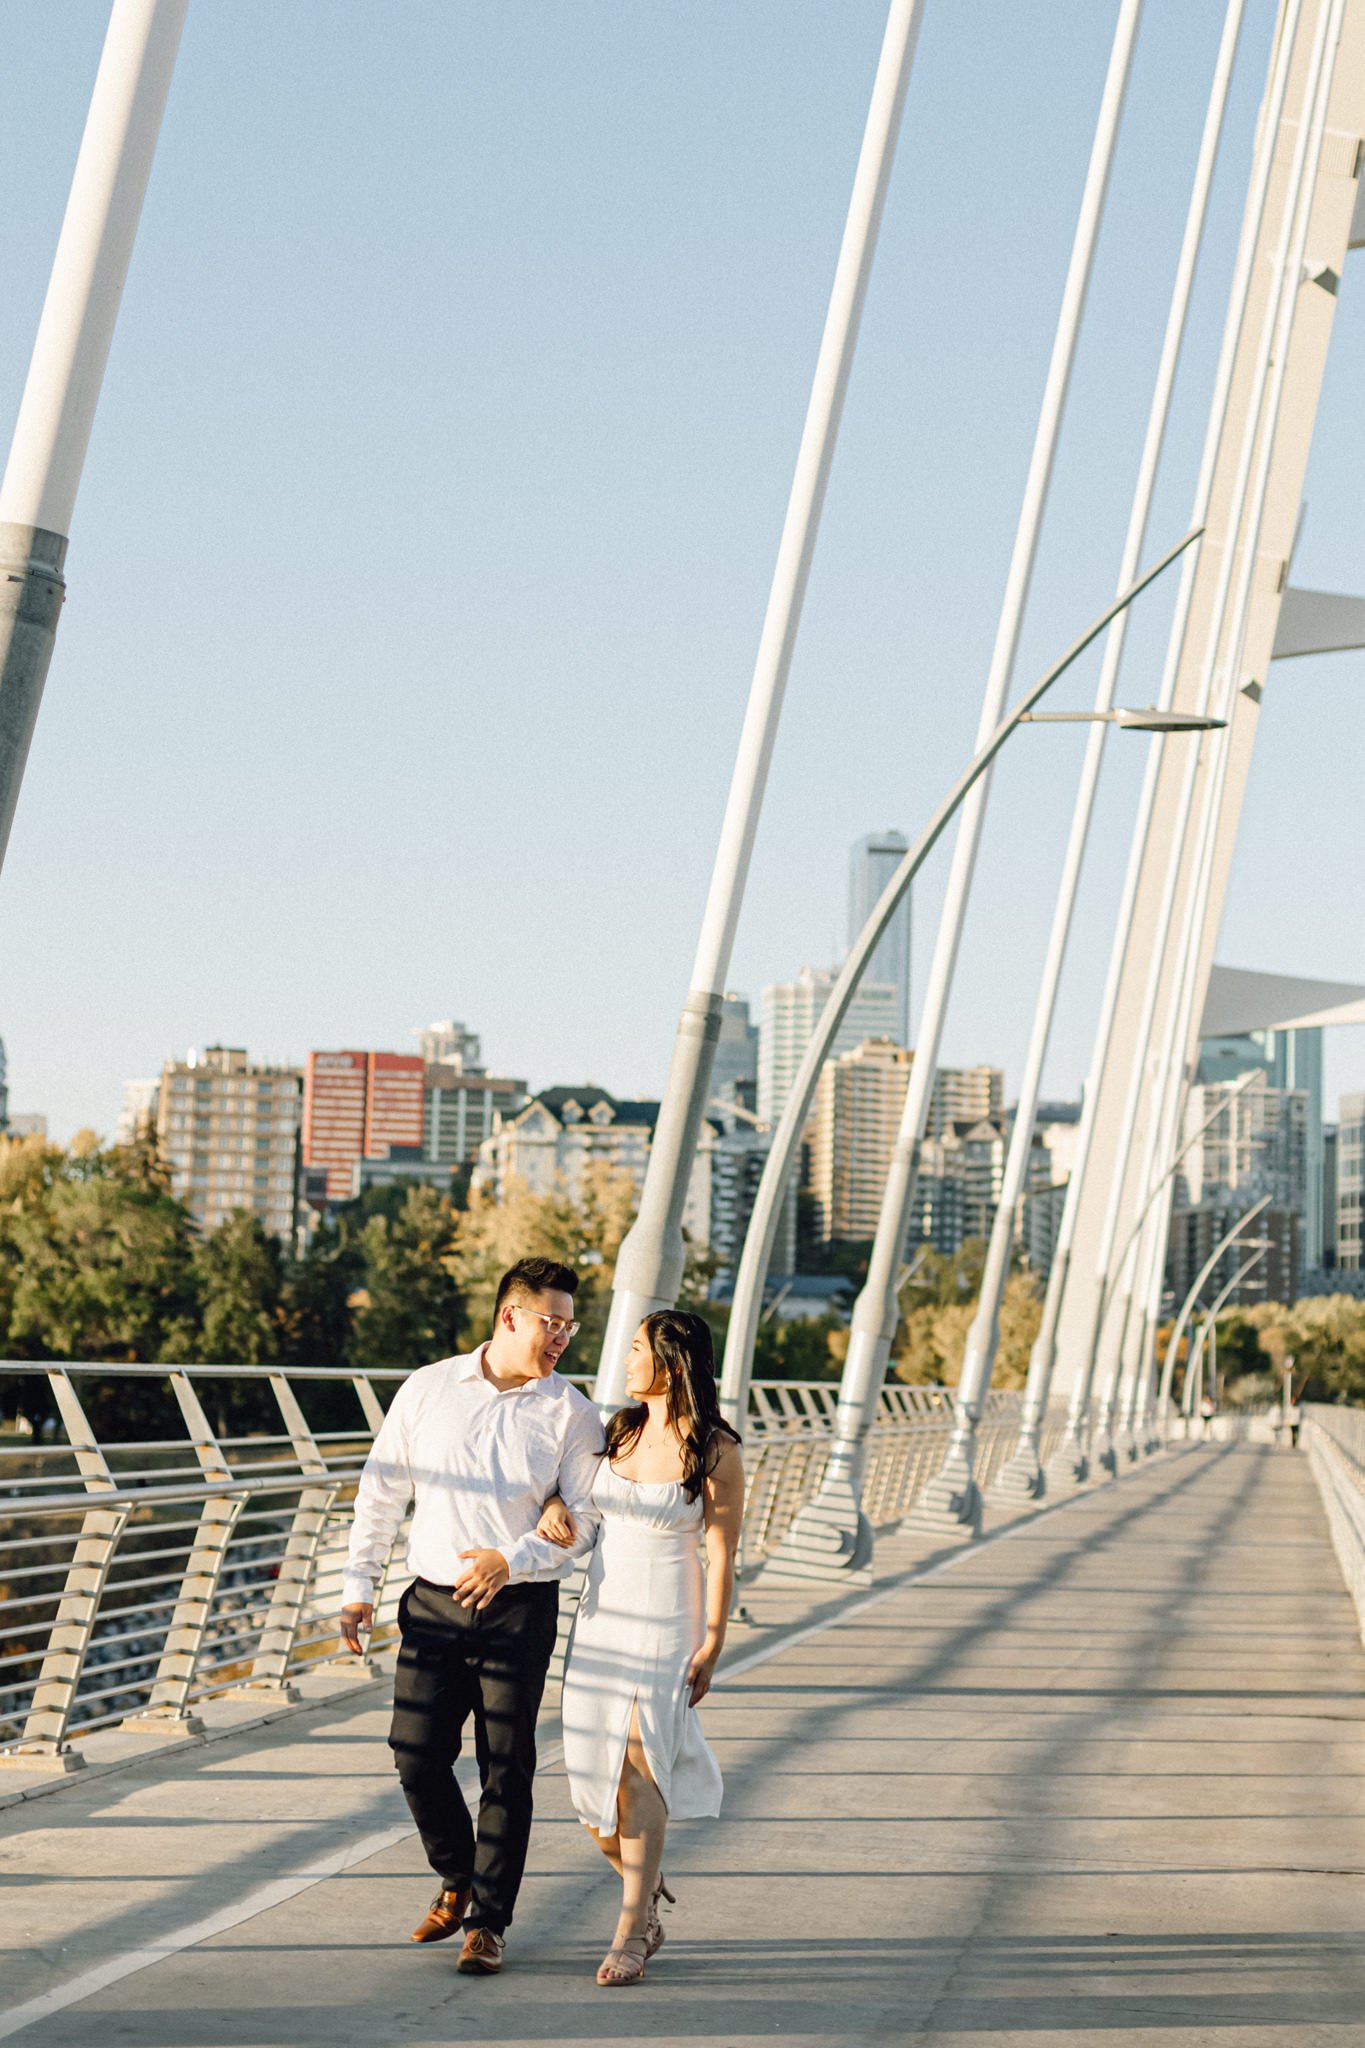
[
  {"x": 1178, "y": 1329},
  {"x": 762, "y": 1230},
  {"x": 1258, "y": 1246}
]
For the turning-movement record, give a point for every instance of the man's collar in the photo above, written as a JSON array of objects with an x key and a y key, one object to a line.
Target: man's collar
[{"x": 470, "y": 1367}]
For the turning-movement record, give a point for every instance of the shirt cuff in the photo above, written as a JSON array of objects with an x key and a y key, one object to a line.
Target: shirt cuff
[
  {"x": 356, "y": 1590},
  {"x": 535, "y": 1557}
]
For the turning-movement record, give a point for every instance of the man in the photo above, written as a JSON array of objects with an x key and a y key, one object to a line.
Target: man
[{"x": 477, "y": 1443}]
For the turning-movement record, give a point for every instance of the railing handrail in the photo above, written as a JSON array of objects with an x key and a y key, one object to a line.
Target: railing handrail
[{"x": 289, "y": 1479}]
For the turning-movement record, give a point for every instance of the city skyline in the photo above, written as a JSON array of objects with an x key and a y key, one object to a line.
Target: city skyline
[{"x": 579, "y": 491}]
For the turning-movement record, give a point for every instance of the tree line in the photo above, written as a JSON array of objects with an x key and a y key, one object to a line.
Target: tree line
[{"x": 99, "y": 1260}]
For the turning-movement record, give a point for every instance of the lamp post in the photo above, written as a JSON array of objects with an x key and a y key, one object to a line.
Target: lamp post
[
  {"x": 649, "y": 1265},
  {"x": 838, "y": 1493},
  {"x": 1208, "y": 1332},
  {"x": 1178, "y": 1328},
  {"x": 1112, "y": 1291}
]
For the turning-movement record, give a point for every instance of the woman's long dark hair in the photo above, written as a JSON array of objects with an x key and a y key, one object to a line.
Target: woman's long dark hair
[{"x": 681, "y": 1346}]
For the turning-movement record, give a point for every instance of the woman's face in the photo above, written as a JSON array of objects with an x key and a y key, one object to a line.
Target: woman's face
[{"x": 642, "y": 1368}]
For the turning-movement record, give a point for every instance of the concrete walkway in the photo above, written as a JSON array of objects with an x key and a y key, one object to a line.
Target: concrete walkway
[{"x": 1103, "y": 1779}]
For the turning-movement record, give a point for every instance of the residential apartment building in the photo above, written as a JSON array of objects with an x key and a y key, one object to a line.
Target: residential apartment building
[
  {"x": 461, "y": 1109},
  {"x": 790, "y": 1012},
  {"x": 359, "y": 1105},
  {"x": 721, "y": 1188},
  {"x": 857, "y": 1114},
  {"x": 936, "y": 1215},
  {"x": 229, "y": 1133},
  {"x": 560, "y": 1134},
  {"x": 965, "y": 1095}
]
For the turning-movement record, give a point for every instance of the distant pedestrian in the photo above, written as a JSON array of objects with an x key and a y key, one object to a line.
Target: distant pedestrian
[{"x": 1207, "y": 1412}]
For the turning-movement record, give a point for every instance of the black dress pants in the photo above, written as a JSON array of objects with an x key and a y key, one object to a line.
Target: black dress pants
[{"x": 456, "y": 1661}]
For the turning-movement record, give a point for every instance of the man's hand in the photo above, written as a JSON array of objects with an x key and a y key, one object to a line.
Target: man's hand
[
  {"x": 485, "y": 1574},
  {"x": 356, "y": 1620}
]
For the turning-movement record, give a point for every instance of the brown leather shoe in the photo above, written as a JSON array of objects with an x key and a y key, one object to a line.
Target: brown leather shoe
[
  {"x": 447, "y": 1911},
  {"x": 481, "y": 1955}
]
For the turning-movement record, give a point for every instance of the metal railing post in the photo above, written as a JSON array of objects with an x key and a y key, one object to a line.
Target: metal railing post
[
  {"x": 269, "y": 1680},
  {"x": 44, "y": 1745},
  {"x": 167, "y": 1710}
]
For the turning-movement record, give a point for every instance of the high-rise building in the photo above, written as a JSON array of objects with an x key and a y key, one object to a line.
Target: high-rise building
[
  {"x": 228, "y": 1132},
  {"x": 359, "y": 1105},
  {"x": 1195, "y": 1232},
  {"x": 1330, "y": 1194},
  {"x": 1350, "y": 1182},
  {"x": 734, "y": 1078},
  {"x": 1291, "y": 1059},
  {"x": 965, "y": 1095},
  {"x": 853, "y": 1133},
  {"x": 791, "y": 1010},
  {"x": 1256, "y": 1144},
  {"x": 4, "y": 1089},
  {"x": 449, "y": 1044},
  {"x": 872, "y": 862}
]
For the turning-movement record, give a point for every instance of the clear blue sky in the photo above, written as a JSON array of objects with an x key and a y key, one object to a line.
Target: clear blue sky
[{"x": 427, "y": 525}]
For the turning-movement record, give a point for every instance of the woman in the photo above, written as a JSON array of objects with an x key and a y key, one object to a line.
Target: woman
[{"x": 649, "y": 1628}]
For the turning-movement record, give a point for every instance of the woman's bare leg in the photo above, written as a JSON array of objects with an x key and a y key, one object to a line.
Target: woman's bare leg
[
  {"x": 610, "y": 1845},
  {"x": 643, "y": 1819}
]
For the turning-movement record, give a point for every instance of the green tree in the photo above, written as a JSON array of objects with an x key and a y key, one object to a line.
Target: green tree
[
  {"x": 240, "y": 1278},
  {"x": 315, "y": 1297},
  {"x": 408, "y": 1308},
  {"x": 105, "y": 1256},
  {"x": 937, "y": 1305},
  {"x": 582, "y": 1228},
  {"x": 807, "y": 1348}
]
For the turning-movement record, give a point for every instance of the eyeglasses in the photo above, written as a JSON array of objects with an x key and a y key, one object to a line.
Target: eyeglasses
[{"x": 555, "y": 1325}]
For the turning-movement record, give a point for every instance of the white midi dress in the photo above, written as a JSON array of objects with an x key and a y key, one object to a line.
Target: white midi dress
[{"x": 640, "y": 1622}]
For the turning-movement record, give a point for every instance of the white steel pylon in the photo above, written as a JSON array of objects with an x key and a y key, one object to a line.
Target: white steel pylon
[{"x": 1266, "y": 629}]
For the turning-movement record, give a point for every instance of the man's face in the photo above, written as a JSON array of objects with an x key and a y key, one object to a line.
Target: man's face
[{"x": 538, "y": 1331}]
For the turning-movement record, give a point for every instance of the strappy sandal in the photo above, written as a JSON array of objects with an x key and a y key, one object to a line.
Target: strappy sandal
[
  {"x": 621, "y": 1965},
  {"x": 654, "y": 1931}
]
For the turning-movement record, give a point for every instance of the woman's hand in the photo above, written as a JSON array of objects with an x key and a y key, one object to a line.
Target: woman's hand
[
  {"x": 702, "y": 1669},
  {"x": 556, "y": 1524}
]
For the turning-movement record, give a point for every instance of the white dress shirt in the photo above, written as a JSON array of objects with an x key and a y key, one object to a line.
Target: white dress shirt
[{"x": 478, "y": 1466}]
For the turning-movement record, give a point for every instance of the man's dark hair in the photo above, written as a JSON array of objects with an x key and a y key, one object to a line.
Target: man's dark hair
[{"x": 534, "y": 1276}]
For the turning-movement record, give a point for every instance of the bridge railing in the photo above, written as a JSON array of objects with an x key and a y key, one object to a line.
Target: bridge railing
[
  {"x": 1335, "y": 1441},
  {"x": 152, "y": 1558}
]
